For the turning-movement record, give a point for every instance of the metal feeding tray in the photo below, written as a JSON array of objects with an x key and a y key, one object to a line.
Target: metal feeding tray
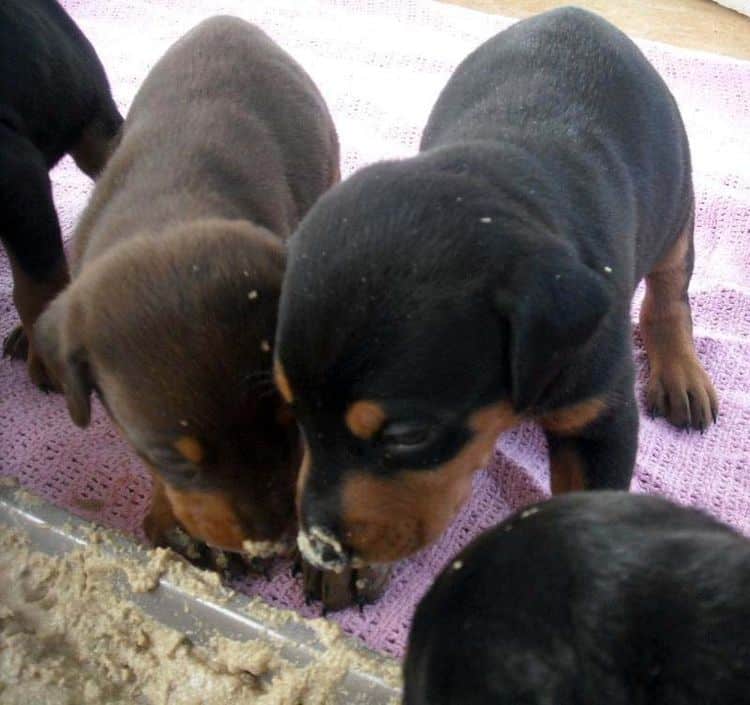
[{"x": 54, "y": 531}]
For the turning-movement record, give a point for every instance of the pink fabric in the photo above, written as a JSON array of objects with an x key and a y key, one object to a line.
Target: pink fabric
[{"x": 380, "y": 65}]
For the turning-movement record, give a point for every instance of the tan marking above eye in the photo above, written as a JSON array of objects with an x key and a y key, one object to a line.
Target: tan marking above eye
[
  {"x": 282, "y": 382},
  {"x": 571, "y": 419},
  {"x": 189, "y": 448},
  {"x": 365, "y": 418}
]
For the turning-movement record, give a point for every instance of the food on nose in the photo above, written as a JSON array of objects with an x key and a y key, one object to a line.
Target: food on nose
[{"x": 322, "y": 549}]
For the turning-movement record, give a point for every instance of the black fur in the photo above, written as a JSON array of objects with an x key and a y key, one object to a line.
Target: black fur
[
  {"x": 498, "y": 264},
  {"x": 589, "y": 599},
  {"x": 54, "y": 99}
]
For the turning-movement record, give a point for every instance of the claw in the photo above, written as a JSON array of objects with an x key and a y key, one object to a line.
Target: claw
[
  {"x": 682, "y": 392},
  {"x": 15, "y": 344}
]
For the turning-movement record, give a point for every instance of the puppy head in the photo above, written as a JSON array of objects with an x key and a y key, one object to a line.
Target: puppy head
[
  {"x": 174, "y": 335},
  {"x": 495, "y": 625},
  {"x": 420, "y": 317}
]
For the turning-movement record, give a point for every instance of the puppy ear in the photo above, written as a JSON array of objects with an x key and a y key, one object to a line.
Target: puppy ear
[
  {"x": 57, "y": 336},
  {"x": 553, "y": 305}
]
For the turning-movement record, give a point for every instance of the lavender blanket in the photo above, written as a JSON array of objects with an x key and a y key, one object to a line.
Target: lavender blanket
[{"x": 380, "y": 65}]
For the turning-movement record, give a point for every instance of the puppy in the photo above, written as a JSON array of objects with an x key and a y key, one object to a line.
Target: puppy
[
  {"x": 54, "y": 99},
  {"x": 179, "y": 257},
  {"x": 432, "y": 303},
  {"x": 588, "y": 599}
]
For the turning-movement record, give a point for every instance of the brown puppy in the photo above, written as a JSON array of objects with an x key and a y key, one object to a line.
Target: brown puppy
[{"x": 179, "y": 258}]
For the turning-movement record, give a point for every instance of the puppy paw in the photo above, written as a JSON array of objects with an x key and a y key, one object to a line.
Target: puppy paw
[
  {"x": 352, "y": 586},
  {"x": 229, "y": 565},
  {"x": 40, "y": 375},
  {"x": 179, "y": 541},
  {"x": 16, "y": 344},
  {"x": 16, "y": 347},
  {"x": 683, "y": 393}
]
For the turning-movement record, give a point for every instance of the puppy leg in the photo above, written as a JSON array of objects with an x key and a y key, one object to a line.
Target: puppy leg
[
  {"x": 678, "y": 387},
  {"x": 599, "y": 455},
  {"x": 97, "y": 142},
  {"x": 337, "y": 591},
  {"x": 31, "y": 234}
]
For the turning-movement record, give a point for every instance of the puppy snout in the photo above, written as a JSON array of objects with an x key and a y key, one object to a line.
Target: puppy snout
[
  {"x": 321, "y": 548},
  {"x": 319, "y": 537}
]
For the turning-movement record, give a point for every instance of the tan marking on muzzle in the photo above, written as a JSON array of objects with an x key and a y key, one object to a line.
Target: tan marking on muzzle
[
  {"x": 386, "y": 519},
  {"x": 207, "y": 516}
]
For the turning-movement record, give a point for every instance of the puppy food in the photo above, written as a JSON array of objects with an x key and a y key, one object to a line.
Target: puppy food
[{"x": 68, "y": 637}]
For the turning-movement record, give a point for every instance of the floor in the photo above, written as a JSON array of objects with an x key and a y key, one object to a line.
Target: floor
[{"x": 693, "y": 24}]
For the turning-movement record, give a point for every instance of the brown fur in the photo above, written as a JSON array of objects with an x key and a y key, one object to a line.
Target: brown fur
[
  {"x": 190, "y": 448},
  {"x": 567, "y": 473},
  {"x": 160, "y": 519},
  {"x": 571, "y": 419},
  {"x": 282, "y": 383},
  {"x": 94, "y": 148},
  {"x": 31, "y": 297},
  {"x": 387, "y": 518},
  {"x": 209, "y": 517},
  {"x": 365, "y": 418},
  {"x": 179, "y": 258},
  {"x": 304, "y": 472},
  {"x": 678, "y": 386}
]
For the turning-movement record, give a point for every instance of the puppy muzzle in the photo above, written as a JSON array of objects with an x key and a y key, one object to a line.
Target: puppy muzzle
[{"x": 323, "y": 550}]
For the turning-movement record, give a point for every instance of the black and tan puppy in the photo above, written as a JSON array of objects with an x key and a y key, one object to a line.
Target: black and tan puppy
[
  {"x": 431, "y": 303},
  {"x": 179, "y": 257},
  {"x": 54, "y": 99},
  {"x": 588, "y": 599}
]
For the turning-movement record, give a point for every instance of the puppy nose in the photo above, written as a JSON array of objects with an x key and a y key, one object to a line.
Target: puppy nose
[{"x": 321, "y": 548}]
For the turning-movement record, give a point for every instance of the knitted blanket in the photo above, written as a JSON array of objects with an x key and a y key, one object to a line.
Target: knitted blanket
[{"x": 380, "y": 65}]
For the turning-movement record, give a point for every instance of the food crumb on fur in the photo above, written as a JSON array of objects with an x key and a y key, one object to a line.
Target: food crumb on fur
[{"x": 264, "y": 549}]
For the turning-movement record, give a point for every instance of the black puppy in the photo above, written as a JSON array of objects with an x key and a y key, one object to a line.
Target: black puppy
[
  {"x": 54, "y": 99},
  {"x": 588, "y": 599},
  {"x": 431, "y": 303}
]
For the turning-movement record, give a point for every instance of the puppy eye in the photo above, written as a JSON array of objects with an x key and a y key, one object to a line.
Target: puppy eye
[
  {"x": 407, "y": 435},
  {"x": 172, "y": 463}
]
